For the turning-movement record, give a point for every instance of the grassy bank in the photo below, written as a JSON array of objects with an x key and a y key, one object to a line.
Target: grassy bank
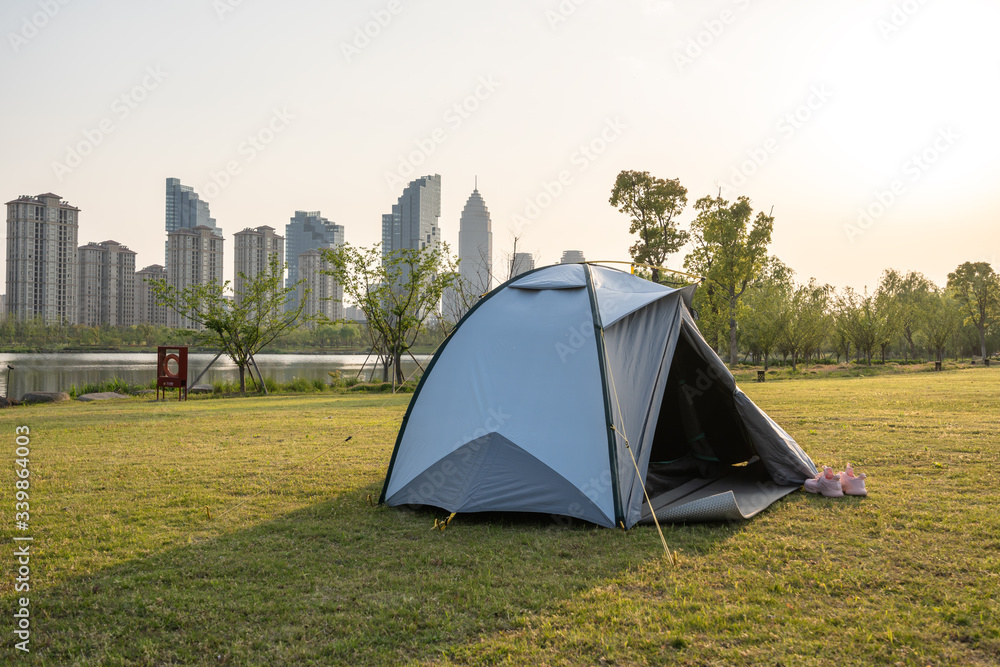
[{"x": 239, "y": 531}]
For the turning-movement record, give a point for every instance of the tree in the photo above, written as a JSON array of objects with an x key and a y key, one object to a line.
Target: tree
[
  {"x": 397, "y": 293},
  {"x": 940, "y": 318},
  {"x": 728, "y": 252},
  {"x": 767, "y": 305},
  {"x": 977, "y": 288},
  {"x": 910, "y": 293},
  {"x": 240, "y": 329},
  {"x": 806, "y": 324},
  {"x": 653, "y": 204},
  {"x": 858, "y": 321},
  {"x": 888, "y": 322}
]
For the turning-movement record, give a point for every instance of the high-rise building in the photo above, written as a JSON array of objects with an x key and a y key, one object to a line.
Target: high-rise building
[
  {"x": 572, "y": 257},
  {"x": 147, "y": 310},
  {"x": 253, "y": 250},
  {"x": 186, "y": 210},
  {"x": 325, "y": 296},
  {"x": 308, "y": 230},
  {"x": 355, "y": 314},
  {"x": 42, "y": 242},
  {"x": 194, "y": 257},
  {"x": 475, "y": 254},
  {"x": 475, "y": 244},
  {"x": 413, "y": 223},
  {"x": 522, "y": 263},
  {"x": 106, "y": 285}
]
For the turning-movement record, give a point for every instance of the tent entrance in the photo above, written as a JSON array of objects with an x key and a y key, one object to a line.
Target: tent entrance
[{"x": 702, "y": 465}]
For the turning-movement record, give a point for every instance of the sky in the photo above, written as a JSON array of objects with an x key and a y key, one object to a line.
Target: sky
[{"x": 868, "y": 128}]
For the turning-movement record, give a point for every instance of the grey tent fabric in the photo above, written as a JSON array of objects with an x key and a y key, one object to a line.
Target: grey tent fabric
[
  {"x": 551, "y": 384},
  {"x": 491, "y": 473}
]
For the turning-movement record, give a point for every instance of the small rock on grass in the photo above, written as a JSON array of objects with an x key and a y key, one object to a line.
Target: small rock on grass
[{"x": 100, "y": 396}]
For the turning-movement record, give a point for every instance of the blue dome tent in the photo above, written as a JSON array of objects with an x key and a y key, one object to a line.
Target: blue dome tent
[{"x": 570, "y": 389}]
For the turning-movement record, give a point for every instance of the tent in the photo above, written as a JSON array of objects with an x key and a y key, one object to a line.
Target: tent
[{"x": 563, "y": 388}]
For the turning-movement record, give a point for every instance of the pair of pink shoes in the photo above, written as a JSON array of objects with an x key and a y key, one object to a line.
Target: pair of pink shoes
[{"x": 835, "y": 485}]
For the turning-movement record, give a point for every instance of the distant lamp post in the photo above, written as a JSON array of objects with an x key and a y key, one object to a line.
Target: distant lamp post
[{"x": 6, "y": 389}]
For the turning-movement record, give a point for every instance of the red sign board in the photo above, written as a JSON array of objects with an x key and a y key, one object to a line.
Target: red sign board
[{"x": 171, "y": 371}]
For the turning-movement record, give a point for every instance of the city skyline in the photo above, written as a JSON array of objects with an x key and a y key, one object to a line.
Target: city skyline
[{"x": 866, "y": 125}]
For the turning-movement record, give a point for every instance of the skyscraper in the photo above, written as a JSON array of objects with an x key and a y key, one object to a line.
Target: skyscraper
[
  {"x": 106, "y": 285},
  {"x": 185, "y": 210},
  {"x": 475, "y": 244},
  {"x": 475, "y": 254},
  {"x": 146, "y": 309},
  {"x": 572, "y": 257},
  {"x": 413, "y": 222},
  {"x": 253, "y": 250},
  {"x": 308, "y": 230},
  {"x": 325, "y": 295},
  {"x": 42, "y": 236},
  {"x": 194, "y": 257}
]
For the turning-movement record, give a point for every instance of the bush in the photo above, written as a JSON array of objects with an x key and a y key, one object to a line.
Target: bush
[
  {"x": 319, "y": 385},
  {"x": 116, "y": 385},
  {"x": 226, "y": 386},
  {"x": 300, "y": 385}
]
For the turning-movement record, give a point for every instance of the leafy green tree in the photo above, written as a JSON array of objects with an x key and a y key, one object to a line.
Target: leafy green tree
[
  {"x": 910, "y": 293},
  {"x": 888, "y": 322},
  {"x": 940, "y": 318},
  {"x": 397, "y": 293},
  {"x": 766, "y": 308},
  {"x": 653, "y": 205},
  {"x": 241, "y": 329},
  {"x": 977, "y": 288},
  {"x": 808, "y": 321},
  {"x": 729, "y": 253},
  {"x": 857, "y": 319}
]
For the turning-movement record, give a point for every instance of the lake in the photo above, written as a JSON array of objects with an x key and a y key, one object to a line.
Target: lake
[{"x": 58, "y": 372}]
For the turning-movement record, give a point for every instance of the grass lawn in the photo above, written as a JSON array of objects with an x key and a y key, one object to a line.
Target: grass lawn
[{"x": 153, "y": 544}]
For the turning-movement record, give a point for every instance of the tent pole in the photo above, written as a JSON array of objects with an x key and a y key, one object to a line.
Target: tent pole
[{"x": 206, "y": 369}]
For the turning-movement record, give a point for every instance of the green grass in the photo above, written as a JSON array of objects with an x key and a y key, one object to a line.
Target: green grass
[
  {"x": 128, "y": 568},
  {"x": 745, "y": 374}
]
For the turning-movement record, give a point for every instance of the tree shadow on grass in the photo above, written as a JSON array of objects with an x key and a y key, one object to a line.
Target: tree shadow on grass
[{"x": 340, "y": 582}]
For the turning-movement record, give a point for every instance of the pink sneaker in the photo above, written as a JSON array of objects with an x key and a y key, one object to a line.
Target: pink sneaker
[
  {"x": 851, "y": 484},
  {"x": 829, "y": 483},
  {"x": 811, "y": 485}
]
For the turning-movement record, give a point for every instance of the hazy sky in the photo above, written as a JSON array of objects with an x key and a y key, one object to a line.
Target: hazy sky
[{"x": 870, "y": 127}]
